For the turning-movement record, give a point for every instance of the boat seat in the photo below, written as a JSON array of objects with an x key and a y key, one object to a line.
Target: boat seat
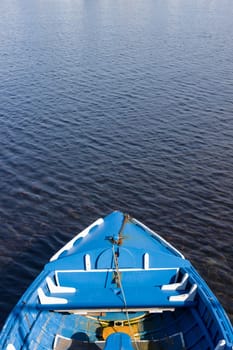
[
  {"x": 111, "y": 298},
  {"x": 76, "y": 279},
  {"x": 118, "y": 341}
]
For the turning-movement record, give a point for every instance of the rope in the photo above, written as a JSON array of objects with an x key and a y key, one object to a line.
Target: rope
[{"x": 123, "y": 295}]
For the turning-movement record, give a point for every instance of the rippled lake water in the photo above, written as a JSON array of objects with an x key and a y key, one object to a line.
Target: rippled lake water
[{"x": 115, "y": 104}]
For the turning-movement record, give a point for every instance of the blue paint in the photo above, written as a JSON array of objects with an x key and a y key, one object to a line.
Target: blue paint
[
  {"x": 128, "y": 267},
  {"x": 119, "y": 341}
]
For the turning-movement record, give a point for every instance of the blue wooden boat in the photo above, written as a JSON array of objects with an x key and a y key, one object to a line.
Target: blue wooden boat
[{"x": 118, "y": 285}]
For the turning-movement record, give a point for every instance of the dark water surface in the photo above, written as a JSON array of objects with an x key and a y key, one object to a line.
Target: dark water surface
[{"x": 115, "y": 104}]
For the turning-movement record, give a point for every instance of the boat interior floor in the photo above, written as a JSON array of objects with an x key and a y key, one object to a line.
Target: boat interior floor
[
  {"x": 174, "y": 342},
  {"x": 142, "y": 331}
]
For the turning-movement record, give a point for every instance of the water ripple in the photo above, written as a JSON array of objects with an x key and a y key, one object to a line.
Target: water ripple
[{"x": 103, "y": 106}]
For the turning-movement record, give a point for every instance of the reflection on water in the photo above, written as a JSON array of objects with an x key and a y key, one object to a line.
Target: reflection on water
[{"x": 115, "y": 105}]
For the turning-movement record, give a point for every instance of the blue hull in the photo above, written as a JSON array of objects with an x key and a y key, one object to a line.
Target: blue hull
[{"x": 118, "y": 285}]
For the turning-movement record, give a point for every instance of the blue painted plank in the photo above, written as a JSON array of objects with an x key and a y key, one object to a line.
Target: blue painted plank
[{"x": 138, "y": 297}]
